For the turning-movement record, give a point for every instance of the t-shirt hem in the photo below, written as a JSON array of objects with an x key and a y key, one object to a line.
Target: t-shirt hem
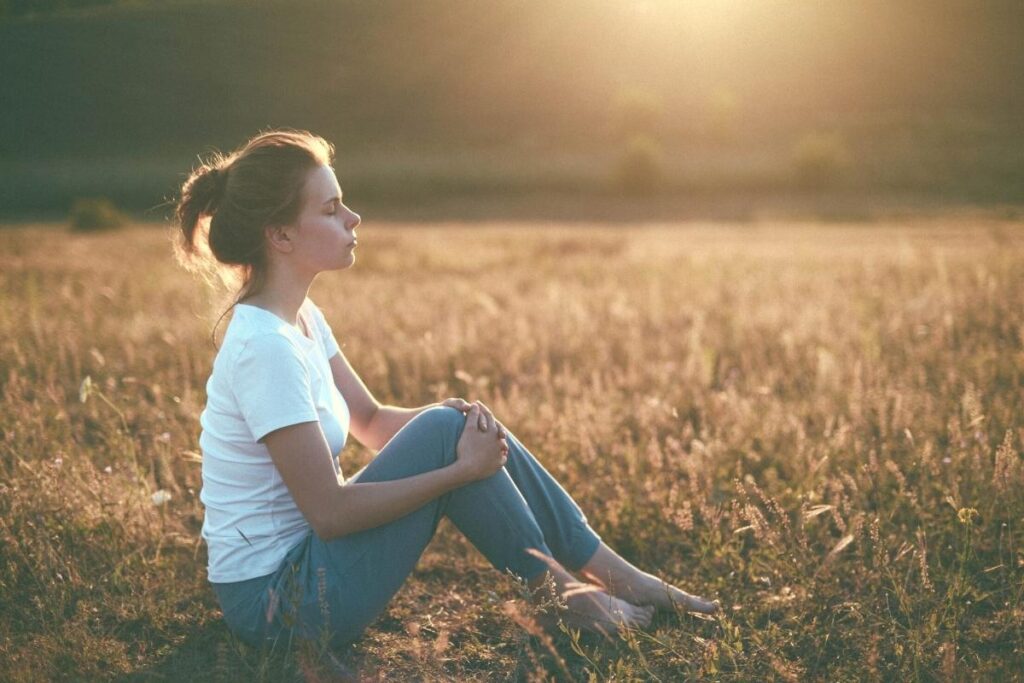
[{"x": 240, "y": 578}]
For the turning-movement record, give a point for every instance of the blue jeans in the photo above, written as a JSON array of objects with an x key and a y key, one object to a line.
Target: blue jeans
[{"x": 337, "y": 588}]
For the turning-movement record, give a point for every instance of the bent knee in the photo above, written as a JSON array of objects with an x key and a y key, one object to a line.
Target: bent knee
[
  {"x": 447, "y": 420},
  {"x": 443, "y": 417}
]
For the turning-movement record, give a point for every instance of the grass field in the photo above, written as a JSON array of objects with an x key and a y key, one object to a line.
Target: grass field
[{"x": 821, "y": 425}]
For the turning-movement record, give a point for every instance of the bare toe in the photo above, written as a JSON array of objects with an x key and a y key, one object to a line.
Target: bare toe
[
  {"x": 696, "y": 604},
  {"x": 666, "y": 596}
]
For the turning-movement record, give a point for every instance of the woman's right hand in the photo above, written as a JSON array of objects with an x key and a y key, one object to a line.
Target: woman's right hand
[{"x": 481, "y": 450}]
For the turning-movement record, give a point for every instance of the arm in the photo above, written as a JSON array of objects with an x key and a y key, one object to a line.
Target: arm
[
  {"x": 302, "y": 456},
  {"x": 372, "y": 424}
]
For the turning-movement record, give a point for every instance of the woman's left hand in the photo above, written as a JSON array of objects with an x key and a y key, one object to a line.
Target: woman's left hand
[{"x": 463, "y": 406}]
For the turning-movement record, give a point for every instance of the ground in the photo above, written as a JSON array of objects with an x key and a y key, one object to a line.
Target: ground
[{"x": 819, "y": 424}]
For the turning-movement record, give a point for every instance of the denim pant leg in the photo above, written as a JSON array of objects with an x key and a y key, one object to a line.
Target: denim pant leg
[
  {"x": 340, "y": 586},
  {"x": 571, "y": 539}
]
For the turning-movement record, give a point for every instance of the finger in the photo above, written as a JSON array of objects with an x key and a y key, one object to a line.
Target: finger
[
  {"x": 488, "y": 415},
  {"x": 478, "y": 417},
  {"x": 483, "y": 416}
]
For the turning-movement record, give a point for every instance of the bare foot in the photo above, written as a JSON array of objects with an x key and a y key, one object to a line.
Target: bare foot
[
  {"x": 582, "y": 605},
  {"x": 646, "y": 589},
  {"x": 665, "y": 596},
  {"x": 620, "y": 578},
  {"x": 598, "y": 611}
]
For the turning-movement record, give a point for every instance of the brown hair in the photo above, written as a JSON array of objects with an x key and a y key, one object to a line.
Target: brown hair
[{"x": 230, "y": 199}]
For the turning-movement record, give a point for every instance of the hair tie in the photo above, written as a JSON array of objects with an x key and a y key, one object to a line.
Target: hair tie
[{"x": 219, "y": 183}]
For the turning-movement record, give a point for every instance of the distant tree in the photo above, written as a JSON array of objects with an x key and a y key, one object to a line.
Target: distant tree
[
  {"x": 820, "y": 159},
  {"x": 90, "y": 214},
  {"x": 640, "y": 168}
]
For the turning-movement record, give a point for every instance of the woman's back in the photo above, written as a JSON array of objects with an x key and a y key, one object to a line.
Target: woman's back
[{"x": 267, "y": 374}]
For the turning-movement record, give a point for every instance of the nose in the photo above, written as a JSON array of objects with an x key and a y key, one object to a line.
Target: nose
[{"x": 354, "y": 221}]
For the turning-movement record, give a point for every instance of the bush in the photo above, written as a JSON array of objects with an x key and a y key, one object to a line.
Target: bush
[
  {"x": 95, "y": 213},
  {"x": 820, "y": 160},
  {"x": 640, "y": 168}
]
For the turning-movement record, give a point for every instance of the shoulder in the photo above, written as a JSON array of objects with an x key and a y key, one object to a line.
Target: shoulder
[
  {"x": 269, "y": 367},
  {"x": 272, "y": 346},
  {"x": 254, "y": 338},
  {"x": 254, "y": 331}
]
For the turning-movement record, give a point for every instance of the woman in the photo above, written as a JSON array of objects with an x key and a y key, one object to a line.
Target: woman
[{"x": 294, "y": 547}]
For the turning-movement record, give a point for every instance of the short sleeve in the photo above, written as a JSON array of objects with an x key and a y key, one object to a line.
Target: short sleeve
[
  {"x": 272, "y": 386},
  {"x": 326, "y": 334}
]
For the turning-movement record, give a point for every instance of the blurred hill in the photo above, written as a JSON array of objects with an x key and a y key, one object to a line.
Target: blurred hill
[{"x": 513, "y": 96}]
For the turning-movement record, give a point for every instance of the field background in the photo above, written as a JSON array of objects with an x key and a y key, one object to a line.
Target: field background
[
  {"x": 818, "y": 424},
  {"x": 746, "y": 275}
]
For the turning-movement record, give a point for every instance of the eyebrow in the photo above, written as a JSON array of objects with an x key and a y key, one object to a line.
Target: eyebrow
[{"x": 332, "y": 199}]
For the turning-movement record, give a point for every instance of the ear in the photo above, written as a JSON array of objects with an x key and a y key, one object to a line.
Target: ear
[{"x": 279, "y": 237}]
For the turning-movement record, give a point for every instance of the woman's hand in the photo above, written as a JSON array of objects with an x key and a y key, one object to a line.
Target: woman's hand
[
  {"x": 480, "y": 452},
  {"x": 485, "y": 413},
  {"x": 459, "y": 404}
]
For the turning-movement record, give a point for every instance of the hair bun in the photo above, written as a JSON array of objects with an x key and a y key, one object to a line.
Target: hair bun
[
  {"x": 219, "y": 175},
  {"x": 216, "y": 181}
]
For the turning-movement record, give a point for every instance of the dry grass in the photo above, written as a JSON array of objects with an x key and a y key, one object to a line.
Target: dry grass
[{"x": 822, "y": 426}]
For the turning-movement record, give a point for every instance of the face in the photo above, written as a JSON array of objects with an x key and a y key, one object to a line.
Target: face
[{"x": 324, "y": 237}]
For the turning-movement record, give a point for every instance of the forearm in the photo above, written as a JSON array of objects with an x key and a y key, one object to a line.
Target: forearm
[
  {"x": 365, "y": 505},
  {"x": 386, "y": 422}
]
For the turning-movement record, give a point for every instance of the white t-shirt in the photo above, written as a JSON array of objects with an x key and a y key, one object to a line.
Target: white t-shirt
[{"x": 266, "y": 375}]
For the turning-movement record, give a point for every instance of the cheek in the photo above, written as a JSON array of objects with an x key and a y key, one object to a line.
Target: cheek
[{"x": 326, "y": 230}]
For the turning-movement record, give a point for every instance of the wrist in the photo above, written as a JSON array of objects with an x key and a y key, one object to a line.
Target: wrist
[{"x": 458, "y": 474}]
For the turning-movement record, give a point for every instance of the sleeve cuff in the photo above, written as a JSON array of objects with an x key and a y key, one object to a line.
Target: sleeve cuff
[{"x": 282, "y": 421}]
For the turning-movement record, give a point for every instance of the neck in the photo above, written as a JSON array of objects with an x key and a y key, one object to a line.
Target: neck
[{"x": 282, "y": 294}]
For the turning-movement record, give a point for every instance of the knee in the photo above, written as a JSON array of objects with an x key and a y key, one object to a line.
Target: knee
[
  {"x": 443, "y": 417},
  {"x": 448, "y": 422}
]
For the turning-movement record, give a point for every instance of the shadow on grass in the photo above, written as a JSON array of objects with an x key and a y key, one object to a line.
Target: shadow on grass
[{"x": 212, "y": 653}]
